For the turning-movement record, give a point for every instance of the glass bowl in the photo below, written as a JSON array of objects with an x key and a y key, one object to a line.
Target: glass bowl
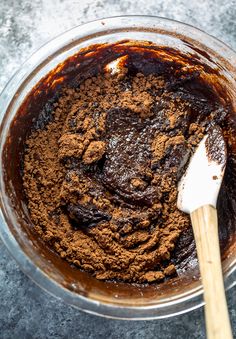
[{"x": 110, "y": 299}]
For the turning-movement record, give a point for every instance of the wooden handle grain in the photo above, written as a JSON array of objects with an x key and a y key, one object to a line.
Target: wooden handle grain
[{"x": 205, "y": 227}]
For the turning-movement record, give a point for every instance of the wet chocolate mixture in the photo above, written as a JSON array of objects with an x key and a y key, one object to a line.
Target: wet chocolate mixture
[{"x": 104, "y": 157}]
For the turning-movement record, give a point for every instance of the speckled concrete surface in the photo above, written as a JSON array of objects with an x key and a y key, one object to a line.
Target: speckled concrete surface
[{"x": 25, "y": 310}]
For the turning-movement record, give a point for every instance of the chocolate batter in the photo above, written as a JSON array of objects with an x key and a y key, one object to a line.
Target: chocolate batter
[{"x": 101, "y": 167}]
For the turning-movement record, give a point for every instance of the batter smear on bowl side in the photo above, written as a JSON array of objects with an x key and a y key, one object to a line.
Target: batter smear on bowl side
[{"x": 101, "y": 172}]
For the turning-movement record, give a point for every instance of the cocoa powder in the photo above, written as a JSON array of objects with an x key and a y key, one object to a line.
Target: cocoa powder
[{"x": 101, "y": 177}]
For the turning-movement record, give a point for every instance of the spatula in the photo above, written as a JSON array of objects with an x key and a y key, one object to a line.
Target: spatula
[{"x": 197, "y": 195}]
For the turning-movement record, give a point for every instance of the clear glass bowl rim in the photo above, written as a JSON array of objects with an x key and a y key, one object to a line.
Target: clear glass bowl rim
[{"x": 84, "y": 31}]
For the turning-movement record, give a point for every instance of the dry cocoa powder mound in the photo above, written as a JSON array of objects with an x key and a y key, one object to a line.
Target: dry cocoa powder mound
[{"x": 101, "y": 177}]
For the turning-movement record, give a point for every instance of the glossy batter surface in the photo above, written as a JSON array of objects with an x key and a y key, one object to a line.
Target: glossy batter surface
[{"x": 101, "y": 178}]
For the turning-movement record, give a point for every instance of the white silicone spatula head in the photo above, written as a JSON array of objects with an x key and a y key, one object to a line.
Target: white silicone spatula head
[
  {"x": 201, "y": 182},
  {"x": 198, "y": 192}
]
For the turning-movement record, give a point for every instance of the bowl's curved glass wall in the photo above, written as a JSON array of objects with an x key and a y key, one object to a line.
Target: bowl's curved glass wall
[{"x": 36, "y": 260}]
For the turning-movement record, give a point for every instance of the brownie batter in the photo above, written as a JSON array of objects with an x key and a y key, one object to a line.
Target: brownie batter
[{"x": 101, "y": 173}]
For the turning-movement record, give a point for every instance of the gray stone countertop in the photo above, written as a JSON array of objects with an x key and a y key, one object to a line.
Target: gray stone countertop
[{"x": 25, "y": 310}]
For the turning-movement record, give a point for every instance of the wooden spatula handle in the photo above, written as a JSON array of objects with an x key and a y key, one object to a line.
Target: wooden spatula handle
[{"x": 205, "y": 227}]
